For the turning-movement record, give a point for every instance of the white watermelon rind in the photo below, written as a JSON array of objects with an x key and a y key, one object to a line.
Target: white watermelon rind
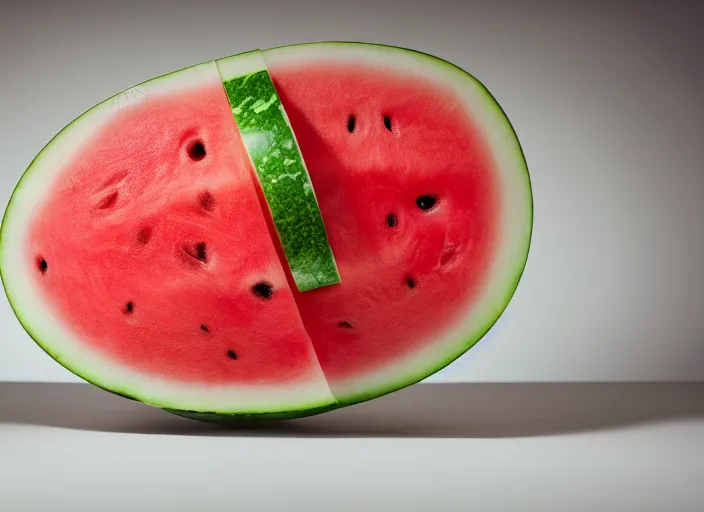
[
  {"x": 56, "y": 338},
  {"x": 514, "y": 249}
]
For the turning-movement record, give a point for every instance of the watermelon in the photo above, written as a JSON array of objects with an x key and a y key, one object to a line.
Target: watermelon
[{"x": 146, "y": 250}]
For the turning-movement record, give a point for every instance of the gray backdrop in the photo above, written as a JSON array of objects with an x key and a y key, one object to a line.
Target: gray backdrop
[{"x": 605, "y": 97}]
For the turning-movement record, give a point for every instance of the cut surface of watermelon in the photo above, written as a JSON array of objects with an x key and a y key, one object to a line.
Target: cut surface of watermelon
[
  {"x": 142, "y": 261},
  {"x": 139, "y": 252},
  {"x": 430, "y": 208}
]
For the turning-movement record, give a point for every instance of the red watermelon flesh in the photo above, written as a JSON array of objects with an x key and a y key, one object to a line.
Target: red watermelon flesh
[
  {"x": 142, "y": 234},
  {"x": 158, "y": 254},
  {"x": 380, "y": 148}
]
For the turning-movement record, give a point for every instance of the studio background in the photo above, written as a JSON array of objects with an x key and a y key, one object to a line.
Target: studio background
[{"x": 605, "y": 98}]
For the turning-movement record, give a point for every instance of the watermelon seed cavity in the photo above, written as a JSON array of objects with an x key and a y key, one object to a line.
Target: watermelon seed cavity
[
  {"x": 108, "y": 201},
  {"x": 207, "y": 201},
  {"x": 391, "y": 220},
  {"x": 196, "y": 150},
  {"x": 198, "y": 252},
  {"x": 425, "y": 202},
  {"x": 410, "y": 282},
  {"x": 448, "y": 254},
  {"x": 114, "y": 180},
  {"x": 387, "y": 122},
  {"x": 263, "y": 290},
  {"x": 345, "y": 325},
  {"x": 144, "y": 235},
  {"x": 129, "y": 307},
  {"x": 203, "y": 327},
  {"x": 350, "y": 124},
  {"x": 231, "y": 354}
]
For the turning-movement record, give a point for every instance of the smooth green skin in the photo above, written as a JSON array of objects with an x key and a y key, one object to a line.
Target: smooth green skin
[
  {"x": 254, "y": 418},
  {"x": 272, "y": 147}
]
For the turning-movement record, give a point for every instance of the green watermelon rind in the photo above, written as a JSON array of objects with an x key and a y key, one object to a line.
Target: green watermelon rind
[
  {"x": 281, "y": 171},
  {"x": 252, "y": 419},
  {"x": 410, "y": 375},
  {"x": 78, "y": 366}
]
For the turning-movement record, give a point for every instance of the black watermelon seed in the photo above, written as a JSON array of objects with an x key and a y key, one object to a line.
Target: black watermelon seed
[
  {"x": 200, "y": 251},
  {"x": 203, "y": 327},
  {"x": 197, "y": 252},
  {"x": 345, "y": 325},
  {"x": 391, "y": 220},
  {"x": 263, "y": 290},
  {"x": 206, "y": 201},
  {"x": 42, "y": 264},
  {"x": 387, "y": 122},
  {"x": 129, "y": 307},
  {"x": 350, "y": 124},
  {"x": 196, "y": 150},
  {"x": 410, "y": 282},
  {"x": 231, "y": 354},
  {"x": 425, "y": 202}
]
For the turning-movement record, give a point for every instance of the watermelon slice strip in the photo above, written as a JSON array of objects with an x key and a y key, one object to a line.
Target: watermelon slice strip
[{"x": 283, "y": 176}]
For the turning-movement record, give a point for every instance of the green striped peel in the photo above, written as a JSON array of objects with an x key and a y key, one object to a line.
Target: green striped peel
[{"x": 276, "y": 157}]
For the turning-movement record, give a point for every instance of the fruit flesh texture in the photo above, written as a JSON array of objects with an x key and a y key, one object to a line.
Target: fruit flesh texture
[
  {"x": 378, "y": 147},
  {"x": 154, "y": 249},
  {"x": 400, "y": 282}
]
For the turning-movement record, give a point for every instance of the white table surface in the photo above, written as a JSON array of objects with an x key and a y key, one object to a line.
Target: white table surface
[{"x": 431, "y": 447}]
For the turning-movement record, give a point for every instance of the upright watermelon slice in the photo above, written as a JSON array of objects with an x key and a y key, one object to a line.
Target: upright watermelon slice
[{"x": 142, "y": 250}]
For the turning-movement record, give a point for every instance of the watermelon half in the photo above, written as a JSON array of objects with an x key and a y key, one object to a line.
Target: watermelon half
[{"x": 141, "y": 250}]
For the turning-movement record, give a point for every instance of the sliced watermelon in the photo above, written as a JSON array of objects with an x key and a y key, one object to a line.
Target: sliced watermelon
[
  {"x": 429, "y": 209},
  {"x": 140, "y": 251},
  {"x": 135, "y": 252}
]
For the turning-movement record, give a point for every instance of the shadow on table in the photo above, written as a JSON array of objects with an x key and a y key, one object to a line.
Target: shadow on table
[{"x": 464, "y": 410}]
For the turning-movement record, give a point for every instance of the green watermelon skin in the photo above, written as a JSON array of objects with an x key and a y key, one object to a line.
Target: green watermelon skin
[
  {"x": 252, "y": 419},
  {"x": 281, "y": 171},
  {"x": 398, "y": 365}
]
